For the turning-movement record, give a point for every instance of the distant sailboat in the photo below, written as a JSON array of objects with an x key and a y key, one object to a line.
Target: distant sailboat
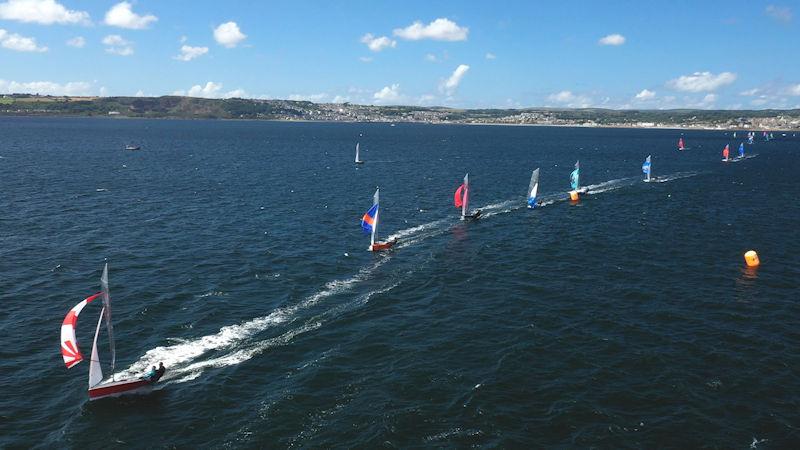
[
  {"x": 358, "y": 157},
  {"x": 369, "y": 223},
  {"x": 461, "y": 200},
  {"x": 726, "y": 153},
  {"x": 575, "y": 183},
  {"x": 681, "y": 144},
  {"x": 741, "y": 150},
  {"x": 646, "y": 169},
  {"x": 750, "y": 136},
  {"x": 533, "y": 189},
  {"x": 72, "y": 355},
  {"x": 133, "y": 147},
  {"x": 734, "y": 135}
]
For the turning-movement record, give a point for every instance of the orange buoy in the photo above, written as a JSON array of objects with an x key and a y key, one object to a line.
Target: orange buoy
[
  {"x": 751, "y": 258},
  {"x": 573, "y": 195}
]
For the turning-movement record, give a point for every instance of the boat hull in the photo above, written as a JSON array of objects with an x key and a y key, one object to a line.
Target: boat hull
[
  {"x": 117, "y": 388},
  {"x": 474, "y": 216},
  {"x": 382, "y": 246}
]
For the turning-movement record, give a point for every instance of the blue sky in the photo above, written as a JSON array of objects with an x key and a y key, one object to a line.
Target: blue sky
[{"x": 623, "y": 54}]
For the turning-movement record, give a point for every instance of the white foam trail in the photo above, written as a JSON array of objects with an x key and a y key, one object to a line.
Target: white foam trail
[
  {"x": 675, "y": 176},
  {"x": 411, "y": 236},
  {"x": 610, "y": 185},
  {"x": 180, "y": 354}
]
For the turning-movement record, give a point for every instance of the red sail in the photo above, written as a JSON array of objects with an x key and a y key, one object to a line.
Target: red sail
[
  {"x": 681, "y": 144},
  {"x": 458, "y": 198},
  {"x": 725, "y": 152}
]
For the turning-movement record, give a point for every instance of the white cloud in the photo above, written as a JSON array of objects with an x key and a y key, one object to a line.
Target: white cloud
[
  {"x": 387, "y": 94},
  {"x": 567, "y": 98},
  {"x": 45, "y": 12},
  {"x": 78, "y": 88},
  {"x": 426, "y": 99},
  {"x": 750, "y": 92},
  {"x": 779, "y": 13},
  {"x": 210, "y": 90},
  {"x": 77, "y": 42},
  {"x": 430, "y": 57},
  {"x": 490, "y": 55},
  {"x": 229, "y": 35},
  {"x": 122, "y": 15},
  {"x": 340, "y": 99},
  {"x": 441, "y": 29},
  {"x": 377, "y": 44},
  {"x": 612, "y": 39},
  {"x": 645, "y": 94},
  {"x": 365, "y": 59},
  {"x": 189, "y": 53},
  {"x": 701, "y": 81},
  {"x": 794, "y": 89},
  {"x": 450, "y": 85},
  {"x": 116, "y": 45},
  {"x": 19, "y": 43}
]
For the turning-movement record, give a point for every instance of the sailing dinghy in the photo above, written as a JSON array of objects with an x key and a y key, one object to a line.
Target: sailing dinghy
[
  {"x": 726, "y": 153},
  {"x": 72, "y": 354},
  {"x": 646, "y": 169},
  {"x": 681, "y": 144},
  {"x": 575, "y": 183},
  {"x": 369, "y": 223},
  {"x": 461, "y": 200},
  {"x": 533, "y": 188},
  {"x": 741, "y": 150},
  {"x": 358, "y": 158}
]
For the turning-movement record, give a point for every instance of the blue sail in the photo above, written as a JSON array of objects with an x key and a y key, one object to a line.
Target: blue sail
[
  {"x": 741, "y": 150},
  {"x": 575, "y": 176},
  {"x": 646, "y": 166}
]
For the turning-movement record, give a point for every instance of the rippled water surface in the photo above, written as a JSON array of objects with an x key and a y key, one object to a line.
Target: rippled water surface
[{"x": 236, "y": 258}]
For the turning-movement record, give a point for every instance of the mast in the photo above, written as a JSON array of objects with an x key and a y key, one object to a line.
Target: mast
[
  {"x": 107, "y": 309},
  {"x": 465, "y": 203},
  {"x": 375, "y": 223}
]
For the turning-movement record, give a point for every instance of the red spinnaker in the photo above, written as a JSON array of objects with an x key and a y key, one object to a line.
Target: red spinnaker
[{"x": 458, "y": 198}]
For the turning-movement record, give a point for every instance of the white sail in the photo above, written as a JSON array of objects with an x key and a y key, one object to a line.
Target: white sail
[
  {"x": 357, "y": 153},
  {"x": 107, "y": 309},
  {"x": 533, "y": 188},
  {"x": 465, "y": 202},
  {"x": 95, "y": 370},
  {"x": 377, "y": 214}
]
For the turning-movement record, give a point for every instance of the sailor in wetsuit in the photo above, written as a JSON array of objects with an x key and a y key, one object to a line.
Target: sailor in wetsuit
[{"x": 160, "y": 371}]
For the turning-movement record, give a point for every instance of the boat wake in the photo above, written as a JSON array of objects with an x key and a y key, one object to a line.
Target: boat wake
[
  {"x": 179, "y": 357},
  {"x": 675, "y": 176},
  {"x": 611, "y": 185}
]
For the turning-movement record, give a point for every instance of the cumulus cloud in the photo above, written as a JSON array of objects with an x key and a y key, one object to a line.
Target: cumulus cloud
[
  {"x": 612, "y": 39},
  {"x": 210, "y": 90},
  {"x": 450, "y": 85},
  {"x": 779, "y": 13},
  {"x": 229, "y": 35},
  {"x": 441, "y": 29},
  {"x": 45, "y": 12},
  {"x": 701, "y": 81},
  {"x": 568, "y": 99},
  {"x": 794, "y": 89},
  {"x": 490, "y": 55},
  {"x": 316, "y": 98},
  {"x": 645, "y": 94},
  {"x": 122, "y": 15},
  {"x": 116, "y": 45},
  {"x": 189, "y": 53},
  {"x": 77, "y": 42},
  {"x": 387, "y": 94},
  {"x": 377, "y": 44},
  {"x": 19, "y": 43},
  {"x": 77, "y": 88},
  {"x": 750, "y": 92}
]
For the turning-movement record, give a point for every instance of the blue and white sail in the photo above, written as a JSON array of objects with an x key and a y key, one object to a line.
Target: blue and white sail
[
  {"x": 741, "y": 150},
  {"x": 533, "y": 188},
  {"x": 575, "y": 177},
  {"x": 646, "y": 168},
  {"x": 369, "y": 222}
]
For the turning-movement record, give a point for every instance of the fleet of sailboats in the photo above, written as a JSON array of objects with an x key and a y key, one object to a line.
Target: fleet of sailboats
[{"x": 72, "y": 354}]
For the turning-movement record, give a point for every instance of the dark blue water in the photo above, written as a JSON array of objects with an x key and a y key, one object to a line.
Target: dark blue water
[{"x": 236, "y": 258}]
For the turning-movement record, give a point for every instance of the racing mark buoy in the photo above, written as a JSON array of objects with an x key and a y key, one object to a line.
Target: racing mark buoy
[
  {"x": 574, "y": 196},
  {"x": 751, "y": 258}
]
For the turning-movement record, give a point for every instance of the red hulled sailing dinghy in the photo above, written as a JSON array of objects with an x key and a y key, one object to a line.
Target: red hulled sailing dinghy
[{"x": 98, "y": 388}]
